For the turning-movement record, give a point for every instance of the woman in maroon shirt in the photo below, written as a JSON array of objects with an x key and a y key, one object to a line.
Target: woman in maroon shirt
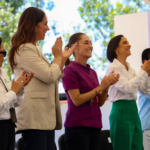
[{"x": 84, "y": 94}]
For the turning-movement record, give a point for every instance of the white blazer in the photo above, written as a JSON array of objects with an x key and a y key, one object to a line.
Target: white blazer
[{"x": 40, "y": 108}]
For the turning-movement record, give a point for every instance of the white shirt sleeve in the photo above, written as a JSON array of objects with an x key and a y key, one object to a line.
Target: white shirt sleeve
[
  {"x": 145, "y": 87},
  {"x": 128, "y": 86},
  {"x": 20, "y": 97},
  {"x": 7, "y": 99}
]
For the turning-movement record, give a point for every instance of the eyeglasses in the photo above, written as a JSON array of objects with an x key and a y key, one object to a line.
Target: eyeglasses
[{"x": 3, "y": 52}]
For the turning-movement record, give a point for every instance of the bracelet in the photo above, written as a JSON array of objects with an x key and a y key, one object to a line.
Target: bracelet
[
  {"x": 58, "y": 59},
  {"x": 105, "y": 91},
  {"x": 97, "y": 96},
  {"x": 101, "y": 92},
  {"x": 98, "y": 93}
]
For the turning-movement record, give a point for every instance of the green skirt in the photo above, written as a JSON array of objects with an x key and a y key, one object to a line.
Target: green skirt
[{"x": 125, "y": 126}]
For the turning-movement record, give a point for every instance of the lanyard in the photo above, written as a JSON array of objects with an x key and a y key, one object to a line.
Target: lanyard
[
  {"x": 4, "y": 84},
  {"x": 12, "y": 110}
]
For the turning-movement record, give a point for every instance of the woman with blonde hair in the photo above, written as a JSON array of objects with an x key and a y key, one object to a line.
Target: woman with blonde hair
[{"x": 39, "y": 114}]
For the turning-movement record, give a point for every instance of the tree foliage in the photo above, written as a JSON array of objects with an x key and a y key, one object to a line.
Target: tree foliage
[
  {"x": 14, "y": 4},
  {"x": 10, "y": 11},
  {"x": 99, "y": 17},
  {"x": 8, "y": 23}
]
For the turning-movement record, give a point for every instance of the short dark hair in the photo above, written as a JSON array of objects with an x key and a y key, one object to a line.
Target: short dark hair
[
  {"x": 0, "y": 41},
  {"x": 112, "y": 45},
  {"x": 145, "y": 54}
]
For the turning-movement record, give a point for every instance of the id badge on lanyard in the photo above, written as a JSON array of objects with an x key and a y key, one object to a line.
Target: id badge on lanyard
[
  {"x": 12, "y": 114},
  {"x": 11, "y": 109}
]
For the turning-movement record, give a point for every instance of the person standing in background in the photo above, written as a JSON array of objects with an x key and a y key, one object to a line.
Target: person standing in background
[
  {"x": 39, "y": 114},
  {"x": 85, "y": 97},
  {"x": 125, "y": 125},
  {"x": 10, "y": 96},
  {"x": 144, "y": 105}
]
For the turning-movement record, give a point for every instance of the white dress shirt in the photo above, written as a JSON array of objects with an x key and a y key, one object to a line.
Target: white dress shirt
[
  {"x": 7, "y": 98},
  {"x": 129, "y": 82}
]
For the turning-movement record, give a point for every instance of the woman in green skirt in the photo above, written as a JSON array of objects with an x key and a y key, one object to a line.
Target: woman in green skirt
[{"x": 125, "y": 125}]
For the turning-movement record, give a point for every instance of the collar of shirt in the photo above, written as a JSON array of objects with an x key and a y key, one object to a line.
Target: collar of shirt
[
  {"x": 119, "y": 64},
  {"x": 85, "y": 68}
]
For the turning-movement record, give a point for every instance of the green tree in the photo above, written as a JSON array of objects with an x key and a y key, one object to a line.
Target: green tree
[
  {"x": 8, "y": 23},
  {"x": 15, "y": 4},
  {"x": 99, "y": 18}
]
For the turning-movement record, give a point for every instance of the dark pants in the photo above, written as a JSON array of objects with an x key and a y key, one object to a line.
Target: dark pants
[
  {"x": 38, "y": 139},
  {"x": 7, "y": 135},
  {"x": 83, "y": 138}
]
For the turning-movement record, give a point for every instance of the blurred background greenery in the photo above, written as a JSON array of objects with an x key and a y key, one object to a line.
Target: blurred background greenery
[{"x": 97, "y": 15}]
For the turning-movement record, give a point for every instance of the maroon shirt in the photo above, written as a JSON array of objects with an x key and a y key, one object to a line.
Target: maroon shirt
[{"x": 85, "y": 79}]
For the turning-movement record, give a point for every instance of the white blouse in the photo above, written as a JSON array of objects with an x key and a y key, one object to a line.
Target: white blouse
[
  {"x": 7, "y": 98},
  {"x": 129, "y": 82}
]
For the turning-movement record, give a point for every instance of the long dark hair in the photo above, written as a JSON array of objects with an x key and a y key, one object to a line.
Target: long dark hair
[
  {"x": 74, "y": 38},
  {"x": 112, "y": 45},
  {"x": 26, "y": 31}
]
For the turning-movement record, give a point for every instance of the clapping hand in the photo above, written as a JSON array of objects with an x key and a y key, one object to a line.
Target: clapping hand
[
  {"x": 67, "y": 52},
  {"x": 25, "y": 79},
  {"x": 146, "y": 66},
  {"x": 109, "y": 80},
  {"x": 115, "y": 79},
  {"x": 22, "y": 81},
  {"x": 57, "y": 48}
]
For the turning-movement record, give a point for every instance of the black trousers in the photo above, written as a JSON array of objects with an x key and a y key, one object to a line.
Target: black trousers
[
  {"x": 83, "y": 138},
  {"x": 7, "y": 135},
  {"x": 38, "y": 139}
]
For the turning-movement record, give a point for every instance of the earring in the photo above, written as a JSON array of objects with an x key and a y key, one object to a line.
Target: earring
[
  {"x": 77, "y": 51},
  {"x": 116, "y": 53}
]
